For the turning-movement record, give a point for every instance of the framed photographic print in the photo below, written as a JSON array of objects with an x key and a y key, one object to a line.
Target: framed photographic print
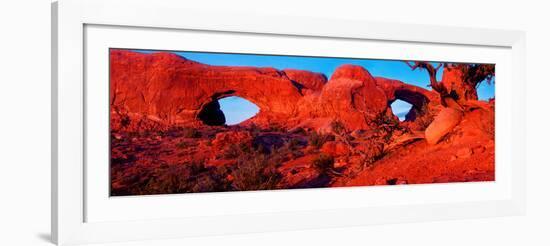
[{"x": 168, "y": 125}]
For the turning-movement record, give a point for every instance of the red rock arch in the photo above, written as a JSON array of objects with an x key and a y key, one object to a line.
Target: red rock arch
[
  {"x": 210, "y": 112},
  {"x": 168, "y": 89},
  {"x": 172, "y": 89},
  {"x": 421, "y": 99}
]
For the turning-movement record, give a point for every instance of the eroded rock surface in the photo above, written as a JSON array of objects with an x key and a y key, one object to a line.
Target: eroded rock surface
[
  {"x": 168, "y": 134},
  {"x": 170, "y": 90},
  {"x": 443, "y": 123}
]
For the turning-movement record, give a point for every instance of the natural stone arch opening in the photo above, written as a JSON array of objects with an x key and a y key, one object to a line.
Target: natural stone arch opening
[
  {"x": 415, "y": 101},
  {"x": 237, "y": 109},
  {"x": 401, "y": 109},
  {"x": 227, "y": 108}
]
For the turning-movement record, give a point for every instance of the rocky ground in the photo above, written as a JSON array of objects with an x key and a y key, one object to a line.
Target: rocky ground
[
  {"x": 231, "y": 158},
  {"x": 168, "y": 133}
]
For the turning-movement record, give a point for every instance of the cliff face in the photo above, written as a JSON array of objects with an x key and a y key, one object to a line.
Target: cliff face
[{"x": 162, "y": 89}]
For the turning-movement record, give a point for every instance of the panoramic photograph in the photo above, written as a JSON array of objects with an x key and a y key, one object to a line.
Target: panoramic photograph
[{"x": 194, "y": 122}]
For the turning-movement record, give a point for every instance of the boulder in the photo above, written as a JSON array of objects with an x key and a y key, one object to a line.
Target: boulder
[
  {"x": 166, "y": 90},
  {"x": 225, "y": 139},
  {"x": 335, "y": 148},
  {"x": 442, "y": 124},
  {"x": 269, "y": 141}
]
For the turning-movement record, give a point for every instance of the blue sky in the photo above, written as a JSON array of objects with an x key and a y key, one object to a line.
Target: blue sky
[{"x": 238, "y": 109}]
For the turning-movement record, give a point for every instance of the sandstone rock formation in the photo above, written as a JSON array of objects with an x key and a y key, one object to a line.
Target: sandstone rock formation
[
  {"x": 420, "y": 98},
  {"x": 165, "y": 89},
  {"x": 335, "y": 148},
  {"x": 306, "y": 82},
  {"x": 443, "y": 123},
  {"x": 174, "y": 90},
  {"x": 168, "y": 133},
  {"x": 352, "y": 97}
]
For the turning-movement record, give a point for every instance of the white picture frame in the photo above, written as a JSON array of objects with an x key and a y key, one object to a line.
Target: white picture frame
[{"x": 80, "y": 217}]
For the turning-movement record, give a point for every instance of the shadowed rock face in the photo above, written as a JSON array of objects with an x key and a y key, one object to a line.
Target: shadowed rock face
[
  {"x": 169, "y": 89},
  {"x": 211, "y": 114}
]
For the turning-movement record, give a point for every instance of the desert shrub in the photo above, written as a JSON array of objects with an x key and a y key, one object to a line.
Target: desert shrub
[
  {"x": 125, "y": 120},
  {"x": 182, "y": 178},
  {"x": 298, "y": 130},
  {"x": 282, "y": 154},
  {"x": 385, "y": 125},
  {"x": 189, "y": 132},
  {"x": 268, "y": 141},
  {"x": 211, "y": 180},
  {"x": 294, "y": 143},
  {"x": 340, "y": 132},
  {"x": 146, "y": 133},
  {"x": 245, "y": 148},
  {"x": 254, "y": 130},
  {"x": 289, "y": 150},
  {"x": 162, "y": 133},
  {"x": 183, "y": 145},
  {"x": 204, "y": 183},
  {"x": 385, "y": 122},
  {"x": 170, "y": 179},
  {"x": 323, "y": 163},
  {"x": 318, "y": 139},
  {"x": 235, "y": 150},
  {"x": 232, "y": 151},
  {"x": 369, "y": 157},
  {"x": 276, "y": 128},
  {"x": 256, "y": 171},
  {"x": 337, "y": 127}
]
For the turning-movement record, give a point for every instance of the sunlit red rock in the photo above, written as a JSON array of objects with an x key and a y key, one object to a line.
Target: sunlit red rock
[
  {"x": 168, "y": 133},
  {"x": 223, "y": 140},
  {"x": 443, "y": 123},
  {"x": 307, "y": 82},
  {"x": 169, "y": 89},
  {"x": 174, "y": 90},
  {"x": 335, "y": 148}
]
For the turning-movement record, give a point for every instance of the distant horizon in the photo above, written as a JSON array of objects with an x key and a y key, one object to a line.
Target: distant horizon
[{"x": 238, "y": 109}]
